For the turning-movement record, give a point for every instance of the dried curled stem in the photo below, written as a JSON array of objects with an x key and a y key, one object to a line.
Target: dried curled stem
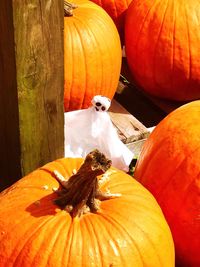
[
  {"x": 68, "y": 8},
  {"x": 81, "y": 191}
]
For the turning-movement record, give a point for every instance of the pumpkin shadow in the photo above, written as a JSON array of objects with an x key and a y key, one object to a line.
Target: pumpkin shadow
[{"x": 44, "y": 206}]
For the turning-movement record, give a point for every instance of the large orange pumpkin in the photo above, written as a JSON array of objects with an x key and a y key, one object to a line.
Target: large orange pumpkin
[
  {"x": 117, "y": 10},
  {"x": 128, "y": 230},
  {"x": 92, "y": 55},
  {"x": 162, "y": 40},
  {"x": 169, "y": 166}
]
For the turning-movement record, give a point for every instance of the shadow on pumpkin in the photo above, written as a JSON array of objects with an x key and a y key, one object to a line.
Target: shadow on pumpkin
[{"x": 44, "y": 206}]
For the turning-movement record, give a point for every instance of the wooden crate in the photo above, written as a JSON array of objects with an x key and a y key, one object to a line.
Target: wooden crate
[{"x": 130, "y": 130}]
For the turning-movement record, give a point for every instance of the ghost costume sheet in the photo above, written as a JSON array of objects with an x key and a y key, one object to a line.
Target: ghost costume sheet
[{"x": 92, "y": 128}]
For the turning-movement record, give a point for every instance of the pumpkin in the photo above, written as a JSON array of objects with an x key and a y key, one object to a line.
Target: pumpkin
[
  {"x": 83, "y": 224},
  {"x": 92, "y": 54},
  {"x": 168, "y": 167},
  {"x": 117, "y": 11},
  {"x": 162, "y": 47}
]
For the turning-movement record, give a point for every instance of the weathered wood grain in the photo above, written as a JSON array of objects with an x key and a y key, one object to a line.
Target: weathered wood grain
[
  {"x": 128, "y": 127},
  {"x": 33, "y": 90},
  {"x": 39, "y": 61}
]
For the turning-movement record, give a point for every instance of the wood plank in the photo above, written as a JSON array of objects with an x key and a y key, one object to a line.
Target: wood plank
[
  {"x": 136, "y": 147},
  {"x": 33, "y": 94},
  {"x": 129, "y": 128},
  {"x": 39, "y": 61}
]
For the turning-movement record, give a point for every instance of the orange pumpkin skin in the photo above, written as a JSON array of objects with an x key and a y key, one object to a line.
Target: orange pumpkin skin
[
  {"x": 92, "y": 55},
  {"x": 162, "y": 47},
  {"x": 117, "y": 10},
  {"x": 169, "y": 167},
  {"x": 126, "y": 231}
]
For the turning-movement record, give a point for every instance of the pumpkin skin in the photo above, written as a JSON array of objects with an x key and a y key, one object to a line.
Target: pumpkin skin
[
  {"x": 162, "y": 47},
  {"x": 168, "y": 167},
  {"x": 126, "y": 231},
  {"x": 117, "y": 11},
  {"x": 92, "y": 55}
]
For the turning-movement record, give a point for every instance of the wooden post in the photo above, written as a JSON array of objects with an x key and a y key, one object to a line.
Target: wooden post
[{"x": 31, "y": 82}]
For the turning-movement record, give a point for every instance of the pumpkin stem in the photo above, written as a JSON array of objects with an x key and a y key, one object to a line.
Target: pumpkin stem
[
  {"x": 81, "y": 191},
  {"x": 68, "y": 8}
]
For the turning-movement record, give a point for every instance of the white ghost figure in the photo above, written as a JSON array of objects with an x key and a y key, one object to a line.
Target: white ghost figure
[{"x": 92, "y": 128}]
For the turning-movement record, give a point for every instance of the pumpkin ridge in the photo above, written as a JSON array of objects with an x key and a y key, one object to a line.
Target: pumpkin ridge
[
  {"x": 158, "y": 147},
  {"x": 186, "y": 192},
  {"x": 160, "y": 194},
  {"x": 115, "y": 7},
  {"x": 79, "y": 93},
  {"x": 84, "y": 65},
  {"x": 145, "y": 206},
  {"x": 87, "y": 221},
  {"x": 70, "y": 30},
  {"x": 28, "y": 238},
  {"x": 139, "y": 35},
  {"x": 84, "y": 242},
  {"x": 104, "y": 75},
  {"x": 95, "y": 44},
  {"x": 173, "y": 50},
  {"x": 106, "y": 230},
  {"x": 158, "y": 40},
  {"x": 189, "y": 49},
  {"x": 54, "y": 233},
  {"x": 151, "y": 242},
  {"x": 151, "y": 210},
  {"x": 150, "y": 156},
  {"x": 181, "y": 205},
  {"x": 118, "y": 226},
  {"x": 68, "y": 244}
]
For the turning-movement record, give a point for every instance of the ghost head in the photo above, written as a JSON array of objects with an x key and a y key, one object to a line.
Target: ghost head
[{"x": 101, "y": 103}]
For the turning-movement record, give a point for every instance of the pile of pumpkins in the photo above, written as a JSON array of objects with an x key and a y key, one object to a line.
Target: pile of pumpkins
[
  {"x": 154, "y": 220},
  {"x": 161, "y": 40}
]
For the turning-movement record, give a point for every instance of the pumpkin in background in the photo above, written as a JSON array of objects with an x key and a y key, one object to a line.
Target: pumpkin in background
[
  {"x": 169, "y": 167},
  {"x": 92, "y": 54},
  {"x": 117, "y": 10},
  {"x": 162, "y": 41},
  {"x": 127, "y": 230}
]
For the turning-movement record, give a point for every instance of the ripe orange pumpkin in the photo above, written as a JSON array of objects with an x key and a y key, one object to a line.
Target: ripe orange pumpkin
[
  {"x": 169, "y": 167},
  {"x": 92, "y": 55},
  {"x": 117, "y": 10},
  {"x": 129, "y": 230},
  {"x": 162, "y": 47}
]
